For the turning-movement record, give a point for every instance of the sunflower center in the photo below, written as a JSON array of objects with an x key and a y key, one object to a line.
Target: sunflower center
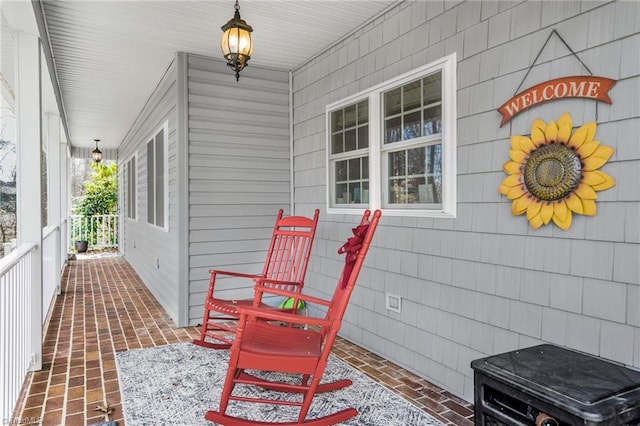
[{"x": 552, "y": 172}]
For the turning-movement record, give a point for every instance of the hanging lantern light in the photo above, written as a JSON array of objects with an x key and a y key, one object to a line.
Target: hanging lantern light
[
  {"x": 96, "y": 153},
  {"x": 236, "y": 43}
]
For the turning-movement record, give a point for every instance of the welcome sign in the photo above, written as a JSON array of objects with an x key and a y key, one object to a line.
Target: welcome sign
[{"x": 589, "y": 87}]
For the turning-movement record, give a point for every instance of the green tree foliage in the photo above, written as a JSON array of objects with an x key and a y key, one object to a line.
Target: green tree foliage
[{"x": 101, "y": 192}]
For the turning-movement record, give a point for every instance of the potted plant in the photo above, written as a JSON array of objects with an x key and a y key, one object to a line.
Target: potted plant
[{"x": 81, "y": 246}]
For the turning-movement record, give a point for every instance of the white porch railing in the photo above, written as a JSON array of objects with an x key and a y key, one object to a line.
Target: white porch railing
[
  {"x": 101, "y": 231},
  {"x": 51, "y": 268},
  {"x": 15, "y": 325}
]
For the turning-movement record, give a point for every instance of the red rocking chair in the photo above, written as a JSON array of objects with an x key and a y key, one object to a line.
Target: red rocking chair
[
  {"x": 285, "y": 267},
  {"x": 263, "y": 344}
]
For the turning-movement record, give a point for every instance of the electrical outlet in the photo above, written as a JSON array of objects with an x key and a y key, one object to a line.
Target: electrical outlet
[{"x": 393, "y": 303}]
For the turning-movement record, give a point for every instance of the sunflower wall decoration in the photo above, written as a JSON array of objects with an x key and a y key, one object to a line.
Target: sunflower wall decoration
[{"x": 554, "y": 172}]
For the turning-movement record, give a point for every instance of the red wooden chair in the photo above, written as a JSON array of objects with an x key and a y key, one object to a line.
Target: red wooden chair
[
  {"x": 261, "y": 344},
  {"x": 285, "y": 266}
]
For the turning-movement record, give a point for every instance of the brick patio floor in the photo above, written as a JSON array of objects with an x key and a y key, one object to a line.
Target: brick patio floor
[{"x": 105, "y": 308}]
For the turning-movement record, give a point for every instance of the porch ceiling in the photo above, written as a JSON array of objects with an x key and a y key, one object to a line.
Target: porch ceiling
[{"x": 109, "y": 55}]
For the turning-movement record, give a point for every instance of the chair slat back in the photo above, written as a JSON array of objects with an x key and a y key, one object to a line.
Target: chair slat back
[
  {"x": 363, "y": 234},
  {"x": 290, "y": 249}
]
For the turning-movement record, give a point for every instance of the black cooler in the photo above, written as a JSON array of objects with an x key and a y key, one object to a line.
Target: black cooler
[{"x": 547, "y": 385}]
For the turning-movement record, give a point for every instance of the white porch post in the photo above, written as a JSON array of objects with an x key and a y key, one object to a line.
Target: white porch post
[
  {"x": 55, "y": 187},
  {"x": 29, "y": 192}
]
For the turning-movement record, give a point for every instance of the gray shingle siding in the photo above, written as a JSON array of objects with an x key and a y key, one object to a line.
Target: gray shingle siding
[{"x": 484, "y": 282}]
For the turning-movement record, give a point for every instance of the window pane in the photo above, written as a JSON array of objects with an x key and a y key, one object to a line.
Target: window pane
[
  {"x": 415, "y": 175},
  {"x": 354, "y": 169},
  {"x": 433, "y": 120},
  {"x": 159, "y": 152},
  {"x": 432, "y": 88},
  {"x": 363, "y": 137},
  {"x": 350, "y": 140},
  {"x": 392, "y": 102},
  {"x": 392, "y": 130},
  {"x": 337, "y": 143},
  {"x": 434, "y": 174},
  {"x": 336, "y": 120},
  {"x": 397, "y": 163},
  {"x": 413, "y": 190},
  {"x": 363, "y": 112},
  {"x": 351, "y": 182},
  {"x": 411, "y": 126},
  {"x": 412, "y": 98},
  {"x": 349, "y": 116},
  {"x": 342, "y": 194},
  {"x": 341, "y": 171},
  {"x": 416, "y": 160},
  {"x": 151, "y": 217},
  {"x": 397, "y": 191}
]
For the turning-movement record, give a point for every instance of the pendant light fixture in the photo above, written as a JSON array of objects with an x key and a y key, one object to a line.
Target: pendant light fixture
[
  {"x": 236, "y": 43},
  {"x": 96, "y": 153}
]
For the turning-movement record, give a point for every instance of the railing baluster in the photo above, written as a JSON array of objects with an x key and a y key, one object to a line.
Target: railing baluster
[
  {"x": 101, "y": 231},
  {"x": 15, "y": 315}
]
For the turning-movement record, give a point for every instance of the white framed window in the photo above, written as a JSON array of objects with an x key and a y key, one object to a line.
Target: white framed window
[
  {"x": 157, "y": 205},
  {"x": 131, "y": 176},
  {"x": 394, "y": 146}
]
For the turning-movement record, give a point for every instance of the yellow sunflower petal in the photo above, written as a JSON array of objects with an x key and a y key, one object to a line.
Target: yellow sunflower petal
[
  {"x": 516, "y": 192},
  {"x": 563, "y": 224},
  {"x": 591, "y": 130},
  {"x": 587, "y": 148},
  {"x": 564, "y": 133},
  {"x": 537, "y": 136},
  {"x": 512, "y": 180},
  {"x": 564, "y": 119},
  {"x": 589, "y": 207},
  {"x": 608, "y": 182},
  {"x": 603, "y": 151},
  {"x": 592, "y": 178},
  {"x": 527, "y": 145},
  {"x": 519, "y": 206},
  {"x": 538, "y": 124},
  {"x": 578, "y": 137},
  {"x": 585, "y": 192},
  {"x": 546, "y": 212},
  {"x": 533, "y": 209},
  {"x": 574, "y": 203},
  {"x": 517, "y": 141},
  {"x": 504, "y": 189},
  {"x": 517, "y": 155},
  {"x": 551, "y": 132},
  {"x": 512, "y": 168},
  {"x": 560, "y": 210},
  {"x": 536, "y": 222},
  {"x": 593, "y": 163}
]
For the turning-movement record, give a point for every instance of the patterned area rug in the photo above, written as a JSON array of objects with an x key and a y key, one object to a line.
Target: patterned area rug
[{"x": 176, "y": 384}]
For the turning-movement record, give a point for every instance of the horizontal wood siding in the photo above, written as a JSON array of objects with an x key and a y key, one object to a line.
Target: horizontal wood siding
[
  {"x": 152, "y": 251},
  {"x": 484, "y": 282},
  {"x": 239, "y": 174}
]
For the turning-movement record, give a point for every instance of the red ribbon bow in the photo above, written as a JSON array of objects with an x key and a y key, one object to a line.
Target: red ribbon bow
[{"x": 352, "y": 248}]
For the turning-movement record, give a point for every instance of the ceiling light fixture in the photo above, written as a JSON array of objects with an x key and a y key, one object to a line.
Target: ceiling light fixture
[
  {"x": 236, "y": 43},
  {"x": 96, "y": 153}
]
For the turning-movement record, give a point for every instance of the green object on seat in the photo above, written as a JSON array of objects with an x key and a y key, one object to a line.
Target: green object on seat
[{"x": 288, "y": 304}]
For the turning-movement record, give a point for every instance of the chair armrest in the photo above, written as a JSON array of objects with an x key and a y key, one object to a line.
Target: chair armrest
[
  {"x": 235, "y": 274},
  {"x": 276, "y": 315},
  {"x": 297, "y": 296},
  {"x": 260, "y": 281}
]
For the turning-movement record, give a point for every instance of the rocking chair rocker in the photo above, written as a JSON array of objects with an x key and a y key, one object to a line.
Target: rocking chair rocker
[
  {"x": 261, "y": 344},
  {"x": 285, "y": 267}
]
